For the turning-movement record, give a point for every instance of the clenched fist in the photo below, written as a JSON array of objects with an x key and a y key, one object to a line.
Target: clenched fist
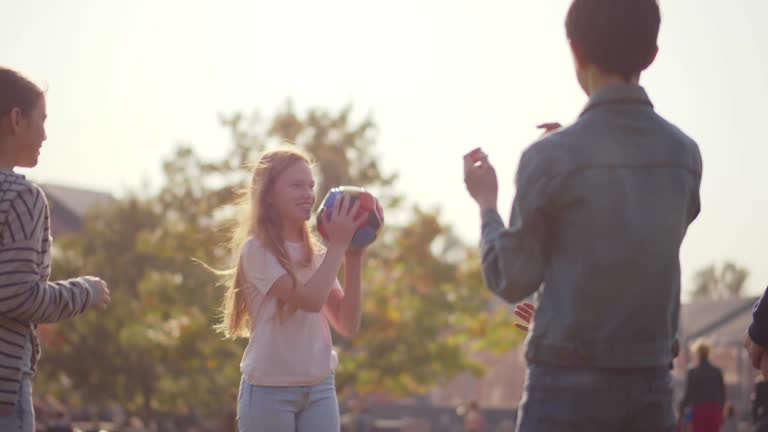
[{"x": 101, "y": 295}]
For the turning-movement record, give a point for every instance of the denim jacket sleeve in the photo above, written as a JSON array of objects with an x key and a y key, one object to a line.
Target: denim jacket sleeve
[{"x": 514, "y": 257}]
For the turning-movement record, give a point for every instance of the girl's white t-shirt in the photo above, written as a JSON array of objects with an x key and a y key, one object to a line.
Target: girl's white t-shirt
[{"x": 295, "y": 350}]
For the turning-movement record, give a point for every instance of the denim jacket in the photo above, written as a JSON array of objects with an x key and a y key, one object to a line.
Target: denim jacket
[{"x": 601, "y": 209}]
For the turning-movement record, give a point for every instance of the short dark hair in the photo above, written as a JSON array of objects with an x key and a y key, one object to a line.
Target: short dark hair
[
  {"x": 16, "y": 91},
  {"x": 618, "y": 36}
]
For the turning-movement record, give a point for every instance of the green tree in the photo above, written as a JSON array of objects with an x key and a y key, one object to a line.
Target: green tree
[
  {"x": 425, "y": 310},
  {"x": 425, "y": 314},
  {"x": 727, "y": 281},
  {"x": 153, "y": 349}
]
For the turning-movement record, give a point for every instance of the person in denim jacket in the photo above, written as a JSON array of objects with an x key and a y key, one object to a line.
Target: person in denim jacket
[{"x": 601, "y": 209}]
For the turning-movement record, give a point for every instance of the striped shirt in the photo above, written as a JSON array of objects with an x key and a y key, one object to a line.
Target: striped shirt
[{"x": 26, "y": 296}]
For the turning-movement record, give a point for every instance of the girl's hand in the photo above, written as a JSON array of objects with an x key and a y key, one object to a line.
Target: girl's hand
[
  {"x": 526, "y": 312},
  {"x": 101, "y": 295},
  {"x": 359, "y": 252},
  {"x": 379, "y": 211},
  {"x": 341, "y": 222}
]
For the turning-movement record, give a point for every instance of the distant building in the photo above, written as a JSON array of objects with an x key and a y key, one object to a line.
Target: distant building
[{"x": 68, "y": 206}]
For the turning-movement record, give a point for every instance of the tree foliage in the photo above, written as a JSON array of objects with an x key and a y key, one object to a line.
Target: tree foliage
[
  {"x": 725, "y": 281},
  {"x": 425, "y": 310}
]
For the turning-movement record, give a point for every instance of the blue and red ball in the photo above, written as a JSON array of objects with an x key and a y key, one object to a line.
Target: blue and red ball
[{"x": 368, "y": 230}]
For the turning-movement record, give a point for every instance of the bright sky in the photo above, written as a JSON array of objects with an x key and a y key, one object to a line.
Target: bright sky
[{"x": 128, "y": 80}]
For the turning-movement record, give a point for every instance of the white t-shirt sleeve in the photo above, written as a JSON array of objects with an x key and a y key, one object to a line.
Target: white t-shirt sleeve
[{"x": 260, "y": 267}]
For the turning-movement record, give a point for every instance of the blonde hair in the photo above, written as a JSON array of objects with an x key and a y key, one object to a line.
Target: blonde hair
[
  {"x": 701, "y": 347},
  {"x": 257, "y": 219}
]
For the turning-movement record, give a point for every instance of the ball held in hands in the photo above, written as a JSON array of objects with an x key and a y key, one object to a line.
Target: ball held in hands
[{"x": 371, "y": 226}]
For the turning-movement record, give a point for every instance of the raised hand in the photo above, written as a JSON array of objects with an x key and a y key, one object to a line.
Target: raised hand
[{"x": 480, "y": 180}]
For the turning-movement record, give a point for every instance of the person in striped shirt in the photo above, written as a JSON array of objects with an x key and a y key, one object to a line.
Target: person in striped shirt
[{"x": 27, "y": 297}]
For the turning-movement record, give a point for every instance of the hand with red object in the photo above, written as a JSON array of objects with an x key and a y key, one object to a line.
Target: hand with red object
[
  {"x": 475, "y": 155},
  {"x": 526, "y": 312},
  {"x": 549, "y": 127}
]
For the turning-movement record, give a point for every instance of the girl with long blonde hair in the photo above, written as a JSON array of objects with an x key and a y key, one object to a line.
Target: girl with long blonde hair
[{"x": 283, "y": 293}]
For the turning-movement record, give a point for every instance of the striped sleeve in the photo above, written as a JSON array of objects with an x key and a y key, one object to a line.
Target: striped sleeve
[{"x": 25, "y": 292}]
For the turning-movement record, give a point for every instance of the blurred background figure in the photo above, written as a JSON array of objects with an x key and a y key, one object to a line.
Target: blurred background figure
[
  {"x": 704, "y": 393},
  {"x": 474, "y": 421}
]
